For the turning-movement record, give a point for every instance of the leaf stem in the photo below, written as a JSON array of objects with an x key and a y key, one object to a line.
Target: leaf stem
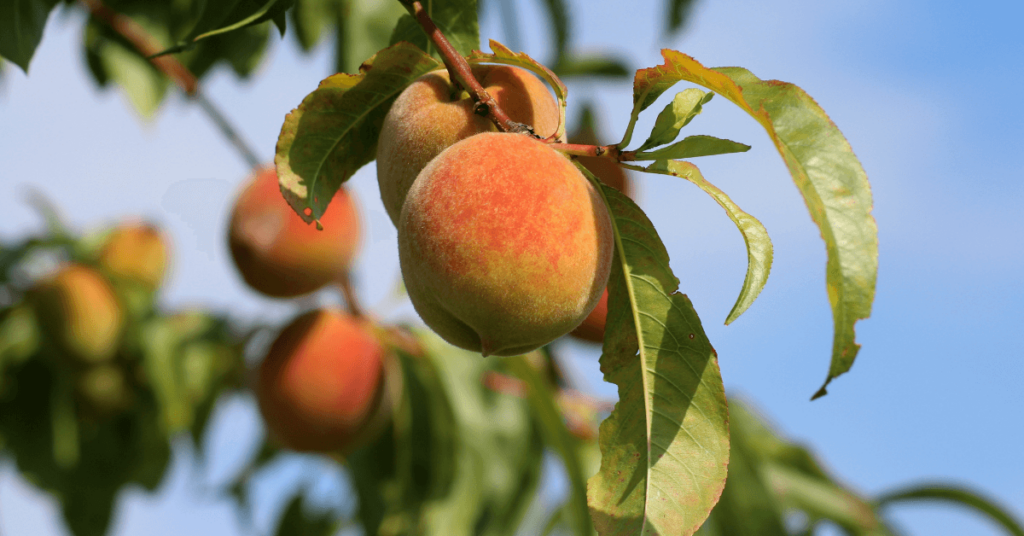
[
  {"x": 461, "y": 73},
  {"x": 172, "y": 68},
  {"x": 600, "y": 151},
  {"x": 344, "y": 284}
]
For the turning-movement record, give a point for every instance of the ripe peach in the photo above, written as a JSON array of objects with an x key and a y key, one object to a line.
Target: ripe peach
[
  {"x": 504, "y": 245},
  {"x": 431, "y": 115},
  {"x": 280, "y": 255},
  {"x": 321, "y": 386},
  {"x": 78, "y": 308},
  {"x": 136, "y": 252}
]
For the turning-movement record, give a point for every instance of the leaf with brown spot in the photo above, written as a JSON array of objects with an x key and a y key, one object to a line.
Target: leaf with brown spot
[{"x": 334, "y": 131}]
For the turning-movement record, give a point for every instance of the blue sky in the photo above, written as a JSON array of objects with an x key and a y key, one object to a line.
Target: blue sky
[{"x": 922, "y": 90}]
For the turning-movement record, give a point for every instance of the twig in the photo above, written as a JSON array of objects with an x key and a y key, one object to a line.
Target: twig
[
  {"x": 460, "y": 72},
  {"x": 226, "y": 129},
  {"x": 170, "y": 67},
  {"x": 344, "y": 283}
]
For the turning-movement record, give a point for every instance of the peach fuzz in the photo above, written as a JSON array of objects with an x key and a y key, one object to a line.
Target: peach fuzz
[
  {"x": 504, "y": 245},
  {"x": 78, "y": 308},
  {"x": 430, "y": 115},
  {"x": 280, "y": 255},
  {"x": 321, "y": 385}
]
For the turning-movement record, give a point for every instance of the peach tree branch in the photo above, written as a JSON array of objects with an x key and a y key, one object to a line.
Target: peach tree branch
[{"x": 172, "y": 68}]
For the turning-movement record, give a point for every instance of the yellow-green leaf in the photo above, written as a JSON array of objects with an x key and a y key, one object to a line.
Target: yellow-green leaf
[
  {"x": 824, "y": 168},
  {"x": 759, "y": 245},
  {"x": 694, "y": 146},
  {"x": 686, "y": 105},
  {"x": 665, "y": 447}
]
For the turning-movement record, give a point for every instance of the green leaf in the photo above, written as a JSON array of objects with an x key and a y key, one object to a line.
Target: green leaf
[
  {"x": 557, "y": 14},
  {"x": 461, "y": 459},
  {"x": 457, "y": 19},
  {"x": 678, "y": 13},
  {"x": 334, "y": 131},
  {"x": 591, "y": 65},
  {"x": 665, "y": 447},
  {"x": 824, "y": 168},
  {"x": 955, "y": 495},
  {"x": 694, "y": 146},
  {"x": 364, "y": 28},
  {"x": 160, "y": 362},
  {"x": 820, "y": 498},
  {"x": 21, "y": 28},
  {"x": 220, "y": 16},
  {"x": 111, "y": 60},
  {"x": 683, "y": 108},
  {"x": 759, "y": 245},
  {"x": 748, "y": 506},
  {"x": 542, "y": 399}
]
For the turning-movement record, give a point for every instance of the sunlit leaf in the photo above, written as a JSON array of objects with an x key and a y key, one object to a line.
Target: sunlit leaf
[
  {"x": 759, "y": 245},
  {"x": 21, "y": 28},
  {"x": 824, "y": 168},
  {"x": 954, "y": 495},
  {"x": 693, "y": 147},
  {"x": 665, "y": 447},
  {"x": 334, "y": 131},
  {"x": 686, "y": 105},
  {"x": 457, "y": 20}
]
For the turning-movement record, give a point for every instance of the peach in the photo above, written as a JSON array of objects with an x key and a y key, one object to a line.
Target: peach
[
  {"x": 431, "y": 115},
  {"x": 77, "y": 307},
  {"x": 135, "y": 252},
  {"x": 321, "y": 386},
  {"x": 280, "y": 255},
  {"x": 504, "y": 245}
]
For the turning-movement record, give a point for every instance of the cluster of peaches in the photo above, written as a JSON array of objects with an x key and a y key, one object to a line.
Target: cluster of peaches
[
  {"x": 84, "y": 319},
  {"x": 504, "y": 246}
]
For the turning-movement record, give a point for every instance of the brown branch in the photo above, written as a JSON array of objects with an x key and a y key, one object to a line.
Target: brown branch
[
  {"x": 144, "y": 44},
  {"x": 170, "y": 67},
  {"x": 461, "y": 73}
]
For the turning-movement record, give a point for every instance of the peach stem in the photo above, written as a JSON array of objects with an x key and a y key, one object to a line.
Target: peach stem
[
  {"x": 344, "y": 283},
  {"x": 459, "y": 70}
]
